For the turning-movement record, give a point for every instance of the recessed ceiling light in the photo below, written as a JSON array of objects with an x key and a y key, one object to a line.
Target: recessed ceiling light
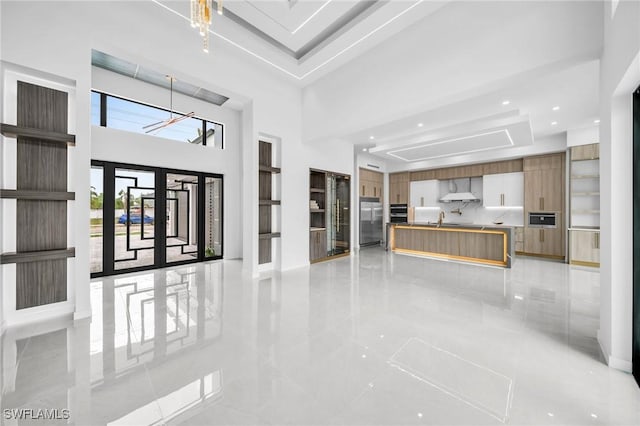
[
  {"x": 596, "y": 121},
  {"x": 364, "y": 149},
  {"x": 371, "y": 138},
  {"x": 420, "y": 124},
  {"x": 506, "y": 102},
  {"x": 555, "y": 108},
  {"x": 553, "y": 123}
]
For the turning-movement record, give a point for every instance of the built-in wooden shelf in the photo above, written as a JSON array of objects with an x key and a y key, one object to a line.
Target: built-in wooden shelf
[
  {"x": 317, "y": 229},
  {"x": 585, "y": 176},
  {"x": 269, "y": 169},
  {"x": 584, "y": 194},
  {"x": 37, "y": 195},
  {"x": 316, "y": 210},
  {"x": 585, "y": 211},
  {"x": 316, "y": 189},
  {"x": 12, "y": 131},
  {"x": 269, "y": 202},
  {"x": 36, "y": 256},
  {"x": 268, "y": 236}
]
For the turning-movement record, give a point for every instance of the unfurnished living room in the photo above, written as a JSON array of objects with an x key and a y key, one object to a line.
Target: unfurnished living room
[{"x": 320, "y": 212}]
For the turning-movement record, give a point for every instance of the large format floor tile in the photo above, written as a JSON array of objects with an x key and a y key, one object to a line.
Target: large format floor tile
[{"x": 375, "y": 338}]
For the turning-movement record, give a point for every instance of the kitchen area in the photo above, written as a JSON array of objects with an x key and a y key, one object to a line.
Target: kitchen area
[{"x": 546, "y": 206}]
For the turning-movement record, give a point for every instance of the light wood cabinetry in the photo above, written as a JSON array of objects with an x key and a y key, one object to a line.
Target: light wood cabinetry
[
  {"x": 399, "y": 188},
  {"x": 481, "y": 245},
  {"x": 585, "y": 152},
  {"x": 371, "y": 184},
  {"x": 544, "y": 241},
  {"x": 424, "y": 193},
  {"x": 474, "y": 170},
  {"x": 544, "y": 183},
  {"x": 317, "y": 244},
  {"x": 518, "y": 237},
  {"x": 584, "y": 247},
  {"x": 509, "y": 166},
  {"x": 503, "y": 190}
]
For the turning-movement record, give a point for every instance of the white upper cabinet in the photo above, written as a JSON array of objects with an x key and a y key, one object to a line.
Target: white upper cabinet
[
  {"x": 503, "y": 190},
  {"x": 424, "y": 193}
]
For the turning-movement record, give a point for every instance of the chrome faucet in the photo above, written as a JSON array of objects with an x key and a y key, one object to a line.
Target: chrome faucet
[{"x": 440, "y": 217}]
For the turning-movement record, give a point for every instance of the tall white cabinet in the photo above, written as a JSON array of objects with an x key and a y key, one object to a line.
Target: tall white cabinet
[
  {"x": 503, "y": 190},
  {"x": 424, "y": 193}
]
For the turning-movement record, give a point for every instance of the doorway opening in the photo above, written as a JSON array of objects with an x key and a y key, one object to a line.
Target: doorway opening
[{"x": 146, "y": 217}]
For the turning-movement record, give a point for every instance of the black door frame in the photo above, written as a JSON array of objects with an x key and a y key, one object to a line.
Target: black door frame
[
  {"x": 160, "y": 230},
  {"x": 635, "y": 344}
]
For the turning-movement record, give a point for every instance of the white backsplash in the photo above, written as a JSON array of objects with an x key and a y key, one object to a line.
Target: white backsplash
[{"x": 474, "y": 213}]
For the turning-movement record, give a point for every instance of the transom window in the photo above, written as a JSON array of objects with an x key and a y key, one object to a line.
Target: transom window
[{"x": 123, "y": 114}]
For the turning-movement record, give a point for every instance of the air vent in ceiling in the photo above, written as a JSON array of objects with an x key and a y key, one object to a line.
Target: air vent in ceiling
[{"x": 120, "y": 66}]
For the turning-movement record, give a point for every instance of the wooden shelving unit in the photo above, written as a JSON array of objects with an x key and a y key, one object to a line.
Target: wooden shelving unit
[
  {"x": 584, "y": 232},
  {"x": 317, "y": 215},
  {"x": 266, "y": 203},
  {"x": 41, "y": 195},
  {"x": 42, "y": 135}
]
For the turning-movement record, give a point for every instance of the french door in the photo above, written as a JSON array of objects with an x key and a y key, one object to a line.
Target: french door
[{"x": 148, "y": 217}]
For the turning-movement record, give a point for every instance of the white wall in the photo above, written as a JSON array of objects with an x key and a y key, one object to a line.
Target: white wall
[
  {"x": 126, "y": 147},
  {"x": 59, "y": 40},
  {"x": 584, "y": 136},
  {"x": 619, "y": 76}
]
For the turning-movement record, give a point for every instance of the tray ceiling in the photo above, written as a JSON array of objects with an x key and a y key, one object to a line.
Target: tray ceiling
[{"x": 306, "y": 38}]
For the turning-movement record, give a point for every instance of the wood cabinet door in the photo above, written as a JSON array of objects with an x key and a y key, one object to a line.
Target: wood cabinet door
[
  {"x": 552, "y": 190},
  {"x": 584, "y": 246},
  {"x": 532, "y": 191},
  {"x": 532, "y": 241},
  {"x": 552, "y": 241},
  {"x": 403, "y": 191}
]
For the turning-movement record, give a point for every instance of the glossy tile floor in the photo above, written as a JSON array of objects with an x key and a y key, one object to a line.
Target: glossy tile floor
[{"x": 372, "y": 339}]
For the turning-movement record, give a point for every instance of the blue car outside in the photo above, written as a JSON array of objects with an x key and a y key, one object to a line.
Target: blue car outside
[{"x": 136, "y": 219}]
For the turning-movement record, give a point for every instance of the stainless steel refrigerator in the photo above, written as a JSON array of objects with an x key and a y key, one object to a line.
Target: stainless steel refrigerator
[{"x": 370, "y": 221}]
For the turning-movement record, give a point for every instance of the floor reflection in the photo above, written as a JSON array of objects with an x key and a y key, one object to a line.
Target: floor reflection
[{"x": 374, "y": 338}]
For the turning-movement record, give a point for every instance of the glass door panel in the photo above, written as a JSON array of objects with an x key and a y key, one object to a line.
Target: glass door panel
[
  {"x": 213, "y": 217},
  {"x": 338, "y": 214},
  {"x": 343, "y": 228},
  {"x": 96, "y": 229},
  {"x": 182, "y": 217},
  {"x": 134, "y": 217},
  {"x": 147, "y": 217}
]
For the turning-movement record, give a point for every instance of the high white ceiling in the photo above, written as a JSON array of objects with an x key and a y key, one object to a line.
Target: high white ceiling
[
  {"x": 305, "y": 39},
  {"x": 317, "y": 43},
  {"x": 548, "y": 104}
]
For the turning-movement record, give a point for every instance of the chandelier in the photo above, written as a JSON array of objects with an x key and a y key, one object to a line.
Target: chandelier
[{"x": 201, "y": 18}]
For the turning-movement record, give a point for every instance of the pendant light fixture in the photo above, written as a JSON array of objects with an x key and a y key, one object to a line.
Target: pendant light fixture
[
  {"x": 154, "y": 127},
  {"x": 201, "y": 11}
]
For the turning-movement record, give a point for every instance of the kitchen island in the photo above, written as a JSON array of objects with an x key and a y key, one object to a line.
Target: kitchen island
[{"x": 484, "y": 244}]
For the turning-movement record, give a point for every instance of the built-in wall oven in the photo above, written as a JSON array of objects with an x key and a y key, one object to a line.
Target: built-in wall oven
[
  {"x": 398, "y": 213},
  {"x": 542, "y": 220}
]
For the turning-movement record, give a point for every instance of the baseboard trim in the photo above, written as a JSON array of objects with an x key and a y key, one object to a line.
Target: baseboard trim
[{"x": 612, "y": 361}]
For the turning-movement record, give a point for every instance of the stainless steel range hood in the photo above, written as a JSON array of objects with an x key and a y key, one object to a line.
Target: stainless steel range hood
[
  {"x": 459, "y": 196},
  {"x": 454, "y": 195}
]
